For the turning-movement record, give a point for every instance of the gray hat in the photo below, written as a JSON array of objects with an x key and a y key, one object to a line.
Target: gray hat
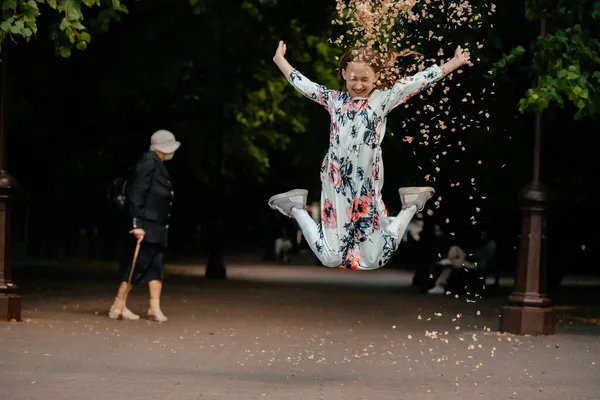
[{"x": 164, "y": 141}]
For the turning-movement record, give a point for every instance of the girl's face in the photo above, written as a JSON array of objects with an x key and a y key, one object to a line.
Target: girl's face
[{"x": 360, "y": 78}]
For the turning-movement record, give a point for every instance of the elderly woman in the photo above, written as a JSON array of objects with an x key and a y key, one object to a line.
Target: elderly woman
[{"x": 149, "y": 200}]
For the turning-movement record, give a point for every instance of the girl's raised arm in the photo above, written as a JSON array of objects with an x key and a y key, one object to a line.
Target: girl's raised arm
[
  {"x": 408, "y": 87},
  {"x": 315, "y": 92}
]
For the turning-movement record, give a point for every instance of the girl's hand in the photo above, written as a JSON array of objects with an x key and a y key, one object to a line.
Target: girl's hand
[
  {"x": 463, "y": 56},
  {"x": 280, "y": 53}
]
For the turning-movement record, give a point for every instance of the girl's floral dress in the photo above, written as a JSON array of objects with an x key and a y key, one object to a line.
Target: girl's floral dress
[{"x": 353, "y": 233}]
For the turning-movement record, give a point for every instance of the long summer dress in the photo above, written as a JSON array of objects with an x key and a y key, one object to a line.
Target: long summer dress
[{"x": 354, "y": 232}]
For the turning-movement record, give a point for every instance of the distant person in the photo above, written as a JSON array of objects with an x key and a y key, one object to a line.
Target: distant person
[
  {"x": 283, "y": 246},
  {"x": 149, "y": 196},
  {"x": 457, "y": 259},
  {"x": 414, "y": 229}
]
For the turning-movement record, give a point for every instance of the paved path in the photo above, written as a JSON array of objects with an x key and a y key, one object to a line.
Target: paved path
[{"x": 285, "y": 333}]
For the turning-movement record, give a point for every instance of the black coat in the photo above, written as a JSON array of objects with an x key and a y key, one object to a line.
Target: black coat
[{"x": 149, "y": 198}]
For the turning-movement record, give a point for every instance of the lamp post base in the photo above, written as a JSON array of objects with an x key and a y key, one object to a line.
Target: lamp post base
[
  {"x": 523, "y": 320},
  {"x": 10, "y": 307}
]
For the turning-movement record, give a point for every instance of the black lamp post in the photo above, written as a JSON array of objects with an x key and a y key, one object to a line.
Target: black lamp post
[
  {"x": 529, "y": 311},
  {"x": 10, "y": 302}
]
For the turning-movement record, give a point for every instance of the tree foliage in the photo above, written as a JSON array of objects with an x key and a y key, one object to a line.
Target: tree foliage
[
  {"x": 564, "y": 64},
  {"x": 68, "y": 28}
]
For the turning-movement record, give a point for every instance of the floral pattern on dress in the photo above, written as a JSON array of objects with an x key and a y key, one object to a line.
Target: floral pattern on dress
[{"x": 353, "y": 215}]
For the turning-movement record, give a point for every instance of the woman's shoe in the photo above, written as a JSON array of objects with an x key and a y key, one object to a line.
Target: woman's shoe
[
  {"x": 115, "y": 313},
  {"x": 129, "y": 315},
  {"x": 157, "y": 316}
]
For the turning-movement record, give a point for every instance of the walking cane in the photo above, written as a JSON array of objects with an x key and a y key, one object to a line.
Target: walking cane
[{"x": 135, "y": 257}]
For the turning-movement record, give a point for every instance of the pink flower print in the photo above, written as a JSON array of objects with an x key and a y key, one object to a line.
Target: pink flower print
[
  {"x": 334, "y": 131},
  {"x": 328, "y": 216},
  {"x": 376, "y": 224},
  {"x": 334, "y": 175},
  {"x": 352, "y": 260},
  {"x": 345, "y": 108},
  {"x": 359, "y": 208},
  {"x": 408, "y": 97},
  {"x": 376, "y": 172}
]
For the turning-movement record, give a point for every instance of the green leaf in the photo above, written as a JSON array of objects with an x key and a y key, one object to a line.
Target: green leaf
[
  {"x": 562, "y": 73},
  {"x": 518, "y": 51},
  {"x": 5, "y": 25},
  {"x": 73, "y": 11},
  {"x": 52, "y": 3},
  {"x": 30, "y": 9},
  {"x": 64, "y": 24},
  {"x": 523, "y": 103},
  {"x": 85, "y": 37},
  {"x": 91, "y": 3},
  {"x": 65, "y": 51},
  {"x": 81, "y": 45},
  {"x": 70, "y": 35},
  {"x": 18, "y": 27},
  {"x": 118, "y": 6},
  {"x": 9, "y": 4},
  {"x": 581, "y": 92}
]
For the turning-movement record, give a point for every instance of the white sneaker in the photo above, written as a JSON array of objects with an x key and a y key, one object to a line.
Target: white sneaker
[
  {"x": 284, "y": 202},
  {"x": 437, "y": 290},
  {"x": 415, "y": 196},
  {"x": 157, "y": 316}
]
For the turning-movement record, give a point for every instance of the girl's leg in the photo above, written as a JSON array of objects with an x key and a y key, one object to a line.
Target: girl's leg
[
  {"x": 379, "y": 248},
  {"x": 292, "y": 204},
  {"x": 398, "y": 226},
  {"x": 315, "y": 239},
  {"x": 413, "y": 199}
]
